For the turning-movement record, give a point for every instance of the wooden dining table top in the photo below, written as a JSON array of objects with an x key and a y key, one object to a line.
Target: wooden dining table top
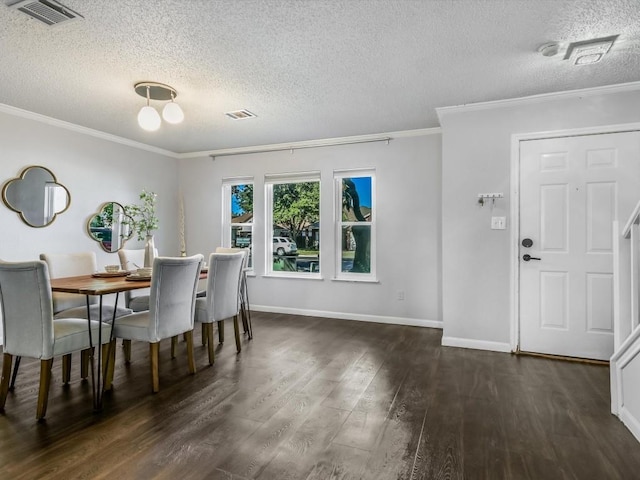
[{"x": 90, "y": 285}]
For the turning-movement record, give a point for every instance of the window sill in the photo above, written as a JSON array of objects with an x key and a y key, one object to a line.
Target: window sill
[
  {"x": 290, "y": 276},
  {"x": 355, "y": 280}
]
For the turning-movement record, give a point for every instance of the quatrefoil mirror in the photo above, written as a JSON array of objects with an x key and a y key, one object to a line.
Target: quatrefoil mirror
[
  {"x": 111, "y": 227},
  {"x": 36, "y": 196}
]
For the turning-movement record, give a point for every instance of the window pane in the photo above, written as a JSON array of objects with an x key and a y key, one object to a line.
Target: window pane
[
  {"x": 356, "y": 249},
  {"x": 241, "y": 238},
  {"x": 296, "y": 227},
  {"x": 242, "y": 203},
  {"x": 356, "y": 199}
]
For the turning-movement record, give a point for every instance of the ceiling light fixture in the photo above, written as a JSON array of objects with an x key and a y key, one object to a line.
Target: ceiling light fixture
[
  {"x": 589, "y": 52},
  {"x": 148, "y": 117}
]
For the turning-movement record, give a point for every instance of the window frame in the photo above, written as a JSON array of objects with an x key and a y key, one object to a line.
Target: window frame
[
  {"x": 278, "y": 179},
  {"x": 227, "y": 217},
  {"x": 338, "y": 176}
]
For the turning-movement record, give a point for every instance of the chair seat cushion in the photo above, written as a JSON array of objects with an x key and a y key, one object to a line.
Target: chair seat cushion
[
  {"x": 134, "y": 327},
  {"x": 81, "y": 312},
  {"x": 139, "y": 304},
  {"x": 201, "y": 314},
  {"x": 71, "y": 334}
]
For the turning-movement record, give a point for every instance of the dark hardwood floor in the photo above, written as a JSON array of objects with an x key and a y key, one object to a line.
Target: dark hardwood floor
[{"x": 316, "y": 398}]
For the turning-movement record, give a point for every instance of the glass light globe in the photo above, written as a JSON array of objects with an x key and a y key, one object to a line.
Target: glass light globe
[
  {"x": 149, "y": 118},
  {"x": 172, "y": 113}
]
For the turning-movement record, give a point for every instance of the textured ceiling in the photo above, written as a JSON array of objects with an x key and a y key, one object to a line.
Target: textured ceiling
[{"x": 309, "y": 69}]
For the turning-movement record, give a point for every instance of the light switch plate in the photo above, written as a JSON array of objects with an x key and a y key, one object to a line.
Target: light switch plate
[{"x": 498, "y": 223}]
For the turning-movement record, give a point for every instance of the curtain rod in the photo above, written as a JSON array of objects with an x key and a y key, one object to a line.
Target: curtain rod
[{"x": 292, "y": 148}]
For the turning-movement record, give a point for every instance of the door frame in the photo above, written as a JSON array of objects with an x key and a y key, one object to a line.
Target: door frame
[{"x": 514, "y": 211}]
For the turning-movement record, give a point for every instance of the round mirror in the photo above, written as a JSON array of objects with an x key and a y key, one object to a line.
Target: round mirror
[
  {"x": 36, "y": 196},
  {"x": 110, "y": 227}
]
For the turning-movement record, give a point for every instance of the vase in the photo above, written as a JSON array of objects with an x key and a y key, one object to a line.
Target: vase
[{"x": 149, "y": 251}]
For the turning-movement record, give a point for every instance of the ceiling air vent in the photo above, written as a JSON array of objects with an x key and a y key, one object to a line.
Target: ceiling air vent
[
  {"x": 240, "y": 115},
  {"x": 47, "y": 11}
]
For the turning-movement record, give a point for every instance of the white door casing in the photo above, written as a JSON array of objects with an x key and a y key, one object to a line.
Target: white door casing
[{"x": 571, "y": 190}]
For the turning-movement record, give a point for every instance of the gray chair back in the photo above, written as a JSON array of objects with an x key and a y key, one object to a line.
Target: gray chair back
[
  {"x": 173, "y": 294},
  {"x": 131, "y": 259},
  {"x": 25, "y": 297},
  {"x": 70, "y": 265},
  {"x": 223, "y": 285}
]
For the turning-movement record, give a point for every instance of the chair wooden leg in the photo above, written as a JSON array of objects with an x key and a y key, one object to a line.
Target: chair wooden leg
[
  {"x": 190, "y": 358},
  {"x": 105, "y": 360},
  {"x": 108, "y": 377},
  {"x": 205, "y": 338},
  {"x": 16, "y": 366},
  {"x": 126, "y": 345},
  {"x": 66, "y": 368},
  {"x": 45, "y": 383},
  {"x": 174, "y": 345},
  {"x": 154, "y": 354},
  {"x": 208, "y": 327},
  {"x": 7, "y": 360},
  {"x": 84, "y": 363},
  {"x": 243, "y": 316},
  {"x": 246, "y": 306},
  {"x": 221, "y": 331},
  {"x": 237, "y": 332}
]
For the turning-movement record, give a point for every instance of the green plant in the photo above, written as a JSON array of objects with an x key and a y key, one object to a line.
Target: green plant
[{"x": 144, "y": 216}]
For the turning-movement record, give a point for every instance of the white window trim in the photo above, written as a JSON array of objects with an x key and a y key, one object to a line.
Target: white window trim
[
  {"x": 338, "y": 175},
  {"x": 226, "y": 229},
  {"x": 277, "y": 179}
]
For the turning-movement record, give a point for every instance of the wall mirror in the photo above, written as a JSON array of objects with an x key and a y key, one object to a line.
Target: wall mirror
[
  {"x": 110, "y": 227},
  {"x": 36, "y": 196}
]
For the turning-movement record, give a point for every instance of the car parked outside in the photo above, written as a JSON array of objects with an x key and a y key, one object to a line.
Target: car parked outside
[{"x": 284, "y": 246}]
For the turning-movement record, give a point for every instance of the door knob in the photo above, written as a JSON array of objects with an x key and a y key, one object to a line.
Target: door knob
[{"x": 526, "y": 257}]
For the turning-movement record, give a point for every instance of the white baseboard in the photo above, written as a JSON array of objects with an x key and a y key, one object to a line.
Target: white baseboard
[
  {"x": 412, "y": 322},
  {"x": 476, "y": 344},
  {"x": 631, "y": 422}
]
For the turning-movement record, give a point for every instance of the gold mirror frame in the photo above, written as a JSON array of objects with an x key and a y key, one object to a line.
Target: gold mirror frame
[
  {"x": 36, "y": 196},
  {"x": 103, "y": 227}
]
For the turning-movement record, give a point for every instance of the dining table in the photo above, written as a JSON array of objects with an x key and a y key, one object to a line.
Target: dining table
[{"x": 99, "y": 285}]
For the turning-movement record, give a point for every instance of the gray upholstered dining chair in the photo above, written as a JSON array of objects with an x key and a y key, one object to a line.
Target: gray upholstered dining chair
[
  {"x": 222, "y": 300},
  {"x": 131, "y": 259},
  {"x": 71, "y": 305},
  {"x": 136, "y": 300},
  {"x": 245, "y": 310},
  {"x": 171, "y": 310},
  {"x": 29, "y": 327}
]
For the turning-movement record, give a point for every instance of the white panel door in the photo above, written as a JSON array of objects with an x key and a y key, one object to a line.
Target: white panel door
[{"x": 571, "y": 190}]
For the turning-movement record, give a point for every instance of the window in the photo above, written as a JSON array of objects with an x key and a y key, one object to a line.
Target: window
[
  {"x": 293, "y": 212},
  {"x": 355, "y": 229},
  {"x": 237, "y": 214}
]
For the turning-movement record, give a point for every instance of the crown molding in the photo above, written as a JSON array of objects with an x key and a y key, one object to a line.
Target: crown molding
[
  {"x": 544, "y": 97},
  {"x": 18, "y": 112},
  {"x": 325, "y": 142}
]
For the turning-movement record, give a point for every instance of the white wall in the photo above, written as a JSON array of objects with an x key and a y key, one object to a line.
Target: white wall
[
  {"x": 477, "y": 159},
  {"x": 408, "y": 228},
  {"x": 94, "y": 171}
]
